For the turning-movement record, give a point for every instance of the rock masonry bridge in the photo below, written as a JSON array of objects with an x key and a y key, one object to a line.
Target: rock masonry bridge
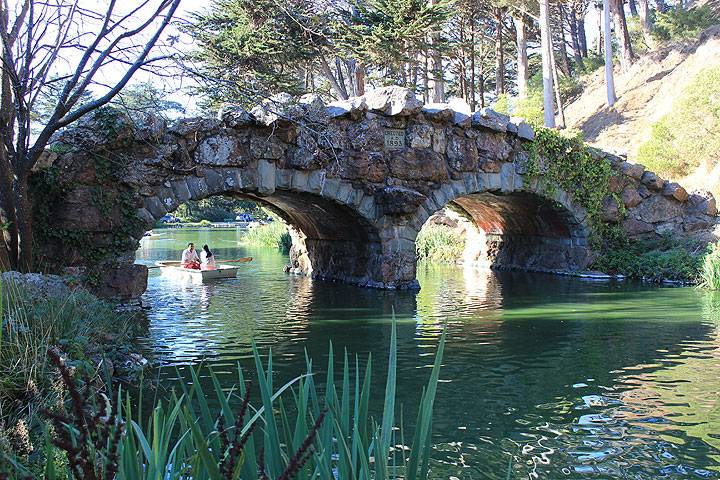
[{"x": 356, "y": 180}]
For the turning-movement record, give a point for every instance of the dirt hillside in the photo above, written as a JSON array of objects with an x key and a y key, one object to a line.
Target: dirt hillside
[{"x": 646, "y": 93}]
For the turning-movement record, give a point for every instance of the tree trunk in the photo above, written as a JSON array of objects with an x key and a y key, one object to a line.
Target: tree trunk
[
  {"x": 661, "y": 6},
  {"x": 577, "y": 52},
  {"x": 633, "y": 8},
  {"x": 359, "y": 78},
  {"x": 562, "y": 47},
  {"x": 9, "y": 236},
  {"x": 582, "y": 38},
  {"x": 546, "y": 48},
  {"x": 609, "y": 81},
  {"x": 522, "y": 56},
  {"x": 556, "y": 85},
  {"x": 23, "y": 217},
  {"x": 627, "y": 57},
  {"x": 599, "y": 43},
  {"x": 499, "y": 54},
  {"x": 338, "y": 87},
  {"x": 481, "y": 82},
  {"x": 472, "y": 64},
  {"x": 645, "y": 22},
  {"x": 436, "y": 69}
]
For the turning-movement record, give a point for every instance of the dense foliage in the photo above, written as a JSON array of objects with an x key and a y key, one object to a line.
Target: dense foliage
[
  {"x": 77, "y": 324},
  {"x": 439, "y": 244},
  {"x": 217, "y": 209},
  {"x": 274, "y": 234},
  {"x": 567, "y": 162},
  {"x": 684, "y": 23},
  {"x": 689, "y": 136},
  {"x": 710, "y": 271}
]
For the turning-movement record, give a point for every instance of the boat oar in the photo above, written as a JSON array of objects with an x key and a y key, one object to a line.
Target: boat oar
[{"x": 239, "y": 260}]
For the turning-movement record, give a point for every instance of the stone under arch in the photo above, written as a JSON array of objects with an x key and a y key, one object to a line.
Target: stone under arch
[{"x": 529, "y": 226}]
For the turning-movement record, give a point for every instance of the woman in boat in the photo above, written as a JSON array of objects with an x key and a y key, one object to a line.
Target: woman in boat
[
  {"x": 190, "y": 258},
  {"x": 207, "y": 258}
]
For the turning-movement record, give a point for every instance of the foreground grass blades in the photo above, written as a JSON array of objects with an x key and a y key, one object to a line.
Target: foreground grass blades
[{"x": 303, "y": 429}]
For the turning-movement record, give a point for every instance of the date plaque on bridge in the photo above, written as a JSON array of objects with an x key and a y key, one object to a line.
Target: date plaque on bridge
[{"x": 394, "y": 139}]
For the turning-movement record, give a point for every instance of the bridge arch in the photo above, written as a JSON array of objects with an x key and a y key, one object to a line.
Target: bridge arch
[
  {"x": 533, "y": 226},
  {"x": 332, "y": 224}
]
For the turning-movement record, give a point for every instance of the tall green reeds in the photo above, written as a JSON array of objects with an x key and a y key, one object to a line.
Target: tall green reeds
[
  {"x": 305, "y": 428},
  {"x": 274, "y": 234},
  {"x": 710, "y": 272},
  {"x": 440, "y": 244}
]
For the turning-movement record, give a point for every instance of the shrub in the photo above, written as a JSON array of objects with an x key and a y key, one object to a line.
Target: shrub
[
  {"x": 439, "y": 243},
  {"x": 710, "y": 271},
  {"x": 274, "y": 234},
  {"x": 682, "y": 24},
  {"x": 205, "y": 223},
  {"x": 689, "y": 136},
  {"x": 650, "y": 261},
  {"x": 80, "y": 325},
  {"x": 304, "y": 429}
]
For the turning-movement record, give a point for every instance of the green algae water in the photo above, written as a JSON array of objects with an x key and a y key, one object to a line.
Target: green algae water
[{"x": 543, "y": 376}]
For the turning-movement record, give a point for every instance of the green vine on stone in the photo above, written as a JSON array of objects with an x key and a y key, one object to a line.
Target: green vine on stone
[{"x": 567, "y": 162}]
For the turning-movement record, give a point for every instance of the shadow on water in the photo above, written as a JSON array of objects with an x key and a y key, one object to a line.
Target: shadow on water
[{"x": 556, "y": 377}]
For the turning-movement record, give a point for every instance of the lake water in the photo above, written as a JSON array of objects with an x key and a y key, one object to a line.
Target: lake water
[{"x": 543, "y": 376}]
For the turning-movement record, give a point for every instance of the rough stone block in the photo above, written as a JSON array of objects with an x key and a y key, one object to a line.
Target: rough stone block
[
  {"x": 438, "y": 112},
  {"x": 316, "y": 179},
  {"x": 630, "y": 197},
  {"x": 471, "y": 183},
  {"x": 198, "y": 188},
  {"x": 491, "y": 120},
  {"x": 652, "y": 181},
  {"x": 232, "y": 180},
  {"x": 632, "y": 170},
  {"x": 672, "y": 189},
  {"x": 330, "y": 187},
  {"x": 155, "y": 206},
  {"x": 367, "y": 207},
  {"x": 283, "y": 178},
  {"x": 147, "y": 217},
  {"x": 266, "y": 177},
  {"x": 440, "y": 197},
  {"x": 167, "y": 196},
  {"x": 182, "y": 193},
  {"x": 300, "y": 181},
  {"x": 214, "y": 181},
  {"x": 493, "y": 181},
  {"x": 393, "y": 100}
]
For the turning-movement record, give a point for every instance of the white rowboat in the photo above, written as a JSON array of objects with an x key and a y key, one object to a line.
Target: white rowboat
[{"x": 174, "y": 269}]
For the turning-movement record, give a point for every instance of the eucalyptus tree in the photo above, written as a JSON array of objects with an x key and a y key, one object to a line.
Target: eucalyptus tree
[
  {"x": 68, "y": 42},
  {"x": 609, "y": 81},
  {"x": 547, "y": 64}
]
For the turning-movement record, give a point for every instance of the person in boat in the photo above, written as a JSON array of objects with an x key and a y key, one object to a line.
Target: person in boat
[
  {"x": 207, "y": 259},
  {"x": 190, "y": 258}
]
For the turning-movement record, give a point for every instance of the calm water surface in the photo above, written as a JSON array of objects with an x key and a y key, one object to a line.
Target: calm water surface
[{"x": 543, "y": 377}]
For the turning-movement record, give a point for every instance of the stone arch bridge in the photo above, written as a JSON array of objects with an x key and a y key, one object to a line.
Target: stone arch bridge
[{"x": 356, "y": 180}]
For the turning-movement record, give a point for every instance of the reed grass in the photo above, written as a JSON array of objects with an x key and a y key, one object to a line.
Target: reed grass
[
  {"x": 274, "y": 234},
  {"x": 305, "y": 428},
  {"x": 710, "y": 271},
  {"x": 77, "y": 323},
  {"x": 439, "y": 244}
]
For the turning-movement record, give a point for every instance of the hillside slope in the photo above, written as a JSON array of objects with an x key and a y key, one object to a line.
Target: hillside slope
[{"x": 647, "y": 92}]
